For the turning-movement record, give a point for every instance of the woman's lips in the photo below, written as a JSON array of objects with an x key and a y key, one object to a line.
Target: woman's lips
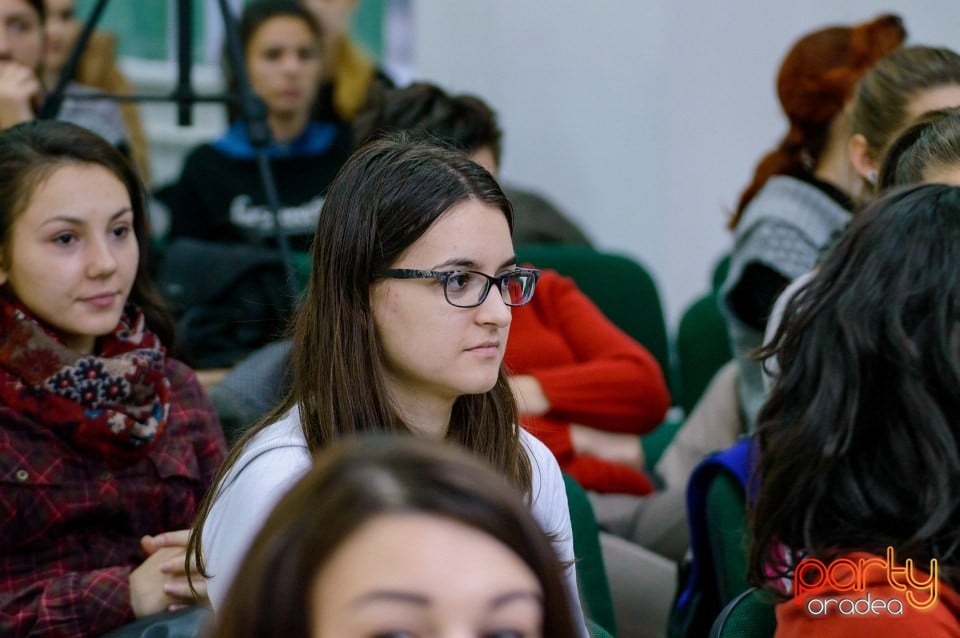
[
  {"x": 488, "y": 348},
  {"x": 104, "y": 300}
]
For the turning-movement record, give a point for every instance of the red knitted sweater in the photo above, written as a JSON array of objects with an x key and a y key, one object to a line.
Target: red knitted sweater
[{"x": 593, "y": 374}]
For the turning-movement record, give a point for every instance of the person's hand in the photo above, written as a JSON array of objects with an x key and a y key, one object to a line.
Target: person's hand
[
  {"x": 164, "y": 576},
  {"x": 149, "y": 583},
  {"x": 19, "y": 91},
  {"x": 176, "y": 538},
  {"x": 529, "y": 395},
  {"x": 610, "y": 446}
]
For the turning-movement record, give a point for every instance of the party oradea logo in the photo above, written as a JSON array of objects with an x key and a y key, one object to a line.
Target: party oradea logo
[{"x": 846, "y": 581}]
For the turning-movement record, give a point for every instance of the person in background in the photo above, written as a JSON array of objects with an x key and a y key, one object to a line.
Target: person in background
[
  {"x": 107, "y": 444},
  {"x": 583, "y": 386},
  {"x": 348, "y": 77},
  {"x": 903, "y": 86},
  {"x": 449, "y": 540},
  {"x": 21, "y": 45},
  {"x": 869, "y": 359},
  {"x": 899, "y": 89},
  {"x": 96, "y": 69},
  {"x": 258, "y": 382},
  {"x": 803, "y": 192},
  {"x": 468, "y": 123},
  {"x": 220, "y": 196},
  {"x": 402, "y": 328},
  {"x": 21, "y": 86},
  {"x": 927, "y": 152}
]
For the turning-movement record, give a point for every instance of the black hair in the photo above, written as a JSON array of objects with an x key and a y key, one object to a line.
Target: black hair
[
  {"x": 860, "y": 437},
  {"x": 930, "y": 143},
  {"x": 463, "y": 121}
]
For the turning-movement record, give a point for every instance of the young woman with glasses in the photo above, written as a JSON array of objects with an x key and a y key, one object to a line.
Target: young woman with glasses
[{"x": 402, "y": 329}]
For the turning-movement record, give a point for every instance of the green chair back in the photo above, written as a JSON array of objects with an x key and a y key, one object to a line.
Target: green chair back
[
  {"x": 591, "y": 571},
  {"x": 720, "y": 272},
  {"x": 303, "y": 264},
  {"x": 749, "y": 615},
  {"x": 726, "y": 519},
  {"x": 620, "y": 286},
  {"x": 703, "y": 346},
  {"x": 596, "y": 631}
]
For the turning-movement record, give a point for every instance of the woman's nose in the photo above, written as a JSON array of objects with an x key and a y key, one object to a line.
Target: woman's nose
[
  {"x": 101, "y": 261},
  {"x": 494, "y": 310}
]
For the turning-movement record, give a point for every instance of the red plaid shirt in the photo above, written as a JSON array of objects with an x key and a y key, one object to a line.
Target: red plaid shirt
[{"x": 70, "y": 526}]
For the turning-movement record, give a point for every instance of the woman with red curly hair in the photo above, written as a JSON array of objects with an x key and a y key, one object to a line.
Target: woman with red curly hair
[{"x": 803, "y": 192}]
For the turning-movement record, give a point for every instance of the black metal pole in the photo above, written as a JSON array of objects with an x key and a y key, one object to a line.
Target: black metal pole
[{"x": 184, "y": 91}]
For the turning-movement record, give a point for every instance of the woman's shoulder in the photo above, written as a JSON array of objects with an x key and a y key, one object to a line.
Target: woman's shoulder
[
  {"x": 281, "y": 445},
  {"x": 200, "y": 162},
  {"x": 203, "y": 153},
  {"x": 535, "y": 449},
  {"x": 543, "y": 465},
  {"x": 192, "y": 419},
  {"x": 185, "y": 387},
  {"x": 179, "y": 373},
  {"x": 789, "y": 203}
]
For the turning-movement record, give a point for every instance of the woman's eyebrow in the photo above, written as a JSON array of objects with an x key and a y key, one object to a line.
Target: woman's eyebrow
[
  {"x": 514, "y": 596},
  {"x": 78, "y": 221},
  {"x": 469, "y": 264},
  {"x": 390, "y": 595}
]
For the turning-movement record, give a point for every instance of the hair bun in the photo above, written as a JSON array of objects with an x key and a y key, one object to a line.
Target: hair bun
[
  {"x": 873, "y": 40},
  {"x": 821, "y": 69}
]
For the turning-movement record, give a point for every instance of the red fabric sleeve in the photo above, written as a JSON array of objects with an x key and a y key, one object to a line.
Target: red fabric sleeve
[
  {"x": 603, "y": 476},
  {"x": 592, "y": 473},
  {"x": 612, "y": 382}
]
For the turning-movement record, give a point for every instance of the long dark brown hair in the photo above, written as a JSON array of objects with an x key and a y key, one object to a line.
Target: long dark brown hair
[
  {"x": 388, "y": 194},
  {"x": 860, "y": 437},
  {"x": 32, "y": 151},
  {"x": 355, "y": 481}
]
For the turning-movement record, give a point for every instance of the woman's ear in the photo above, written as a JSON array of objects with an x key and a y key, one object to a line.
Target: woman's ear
[{"x": 862, "y": 158}]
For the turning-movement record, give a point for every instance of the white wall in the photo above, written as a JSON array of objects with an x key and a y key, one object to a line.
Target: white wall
[{"x": 642, "y": 118}]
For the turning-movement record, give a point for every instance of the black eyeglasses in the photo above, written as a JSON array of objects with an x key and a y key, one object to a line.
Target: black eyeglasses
[{"x": 469, "y": 288}]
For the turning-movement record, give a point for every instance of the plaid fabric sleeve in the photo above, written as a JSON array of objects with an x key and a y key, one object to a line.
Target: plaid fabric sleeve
[{"x": 70, "y": 605}]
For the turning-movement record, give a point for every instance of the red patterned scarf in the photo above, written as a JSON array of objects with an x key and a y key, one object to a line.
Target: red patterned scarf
[{"x": 113, "y": 404}]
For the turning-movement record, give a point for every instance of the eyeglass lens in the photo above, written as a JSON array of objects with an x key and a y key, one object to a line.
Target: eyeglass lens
[{"x": 470, "y": 289}]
